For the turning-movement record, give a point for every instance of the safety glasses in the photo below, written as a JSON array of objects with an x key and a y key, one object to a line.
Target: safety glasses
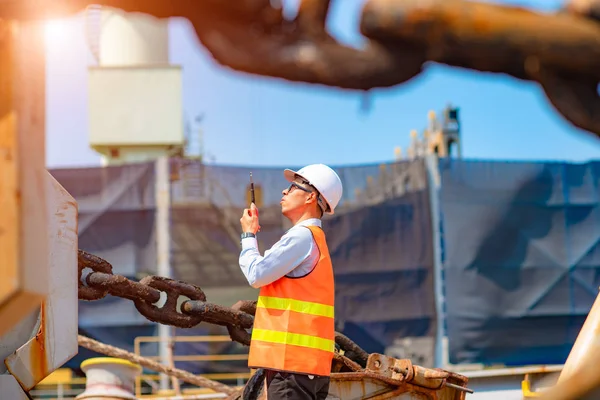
[{"x": 294, "y": 185}]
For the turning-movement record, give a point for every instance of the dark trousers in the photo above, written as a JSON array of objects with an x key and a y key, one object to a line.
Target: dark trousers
[{"x": 289, "y": 386}]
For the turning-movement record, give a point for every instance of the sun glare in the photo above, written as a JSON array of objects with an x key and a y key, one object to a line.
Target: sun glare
[{"x": 56, "y": 31}]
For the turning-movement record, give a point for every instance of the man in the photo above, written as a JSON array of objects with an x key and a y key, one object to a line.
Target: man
[{"x": 293, "y": 334}]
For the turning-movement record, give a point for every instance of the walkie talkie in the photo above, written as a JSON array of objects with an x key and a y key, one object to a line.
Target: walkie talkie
[{"x": 252, "y": 199}]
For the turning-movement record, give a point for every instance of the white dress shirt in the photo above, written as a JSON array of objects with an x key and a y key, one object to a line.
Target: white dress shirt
[{"x": 294, "y": 255}]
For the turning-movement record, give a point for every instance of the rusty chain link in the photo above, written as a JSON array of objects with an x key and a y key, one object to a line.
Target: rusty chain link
[
  {"x": 157, "y": 299},
  {"x": 558, "y": 50}
]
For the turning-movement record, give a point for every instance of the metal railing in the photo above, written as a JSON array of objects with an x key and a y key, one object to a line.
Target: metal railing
[
  {"x": 61, "y": 384},
  {"x": 239, "y": 378}
]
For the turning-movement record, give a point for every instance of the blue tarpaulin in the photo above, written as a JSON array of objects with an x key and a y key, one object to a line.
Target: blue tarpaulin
[{"x": 521, "y": 258}]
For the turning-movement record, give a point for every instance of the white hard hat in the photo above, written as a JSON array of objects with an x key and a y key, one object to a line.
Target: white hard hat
[{"x": 324, "y": 179}]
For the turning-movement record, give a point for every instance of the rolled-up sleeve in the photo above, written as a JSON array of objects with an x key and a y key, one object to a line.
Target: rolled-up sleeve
[{"x": 285, "y": 255}]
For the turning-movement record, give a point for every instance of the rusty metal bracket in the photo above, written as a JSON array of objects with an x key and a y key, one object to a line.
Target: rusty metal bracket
[
  {"x": 403, "y": 371},
  {"x": 55, "y": 338},
  {"x": 390, "y": 367}
]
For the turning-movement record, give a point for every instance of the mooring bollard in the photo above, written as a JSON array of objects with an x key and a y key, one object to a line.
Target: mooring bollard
[{"x": 109, "y": 379}]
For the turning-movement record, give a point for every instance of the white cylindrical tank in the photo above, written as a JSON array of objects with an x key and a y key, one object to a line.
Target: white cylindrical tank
[
  {"x": 109, "y": 379},
  {"x": 131, "y": 39}
]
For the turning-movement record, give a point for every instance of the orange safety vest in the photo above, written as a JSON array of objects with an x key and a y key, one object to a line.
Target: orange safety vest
[{"x": 294, "y": 322}]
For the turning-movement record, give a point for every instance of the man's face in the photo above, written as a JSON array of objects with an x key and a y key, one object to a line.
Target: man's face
[{"x": 295, "y": 196}]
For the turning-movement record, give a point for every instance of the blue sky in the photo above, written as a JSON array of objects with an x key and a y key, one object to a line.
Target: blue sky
[{"x": 252, "y": 120}]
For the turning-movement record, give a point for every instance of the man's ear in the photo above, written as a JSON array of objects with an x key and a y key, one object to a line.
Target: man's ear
[{"x": 312, "y": 198}]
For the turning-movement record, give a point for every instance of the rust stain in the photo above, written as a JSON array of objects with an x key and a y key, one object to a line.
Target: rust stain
[
  {"x": 62, "y": 213},
  {"x": 76, "y": 217},
  {"x": 356, "y": 382},
  {"x": 38, "y": 356},
  {"x": 543, "y": 368}
]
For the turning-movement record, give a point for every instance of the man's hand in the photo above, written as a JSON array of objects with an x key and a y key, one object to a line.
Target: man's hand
[{"x": 249, "y": 220}]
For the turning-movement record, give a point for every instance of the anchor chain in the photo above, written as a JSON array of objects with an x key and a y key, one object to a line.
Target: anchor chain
[{"x": 158, "y": 299}]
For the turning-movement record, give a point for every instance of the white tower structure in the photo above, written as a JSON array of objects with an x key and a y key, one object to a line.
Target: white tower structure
[
  {"x": 136, "y": 111},
  {"x": 439, "y": 138},
  {"x": 135, "y": 94}
]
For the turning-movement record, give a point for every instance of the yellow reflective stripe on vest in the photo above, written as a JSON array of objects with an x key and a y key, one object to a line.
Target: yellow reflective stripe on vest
[
  {"x": 305, "y": 307},
  {"x": 296, "y": 339}
]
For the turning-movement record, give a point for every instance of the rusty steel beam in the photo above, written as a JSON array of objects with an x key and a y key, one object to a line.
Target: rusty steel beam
[{"x": 23, "y": 216}]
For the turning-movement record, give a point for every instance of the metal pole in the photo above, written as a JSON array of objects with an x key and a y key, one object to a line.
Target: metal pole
[
  {"x": 163, "y": 203},
  {"x": 434, "y": 179}
]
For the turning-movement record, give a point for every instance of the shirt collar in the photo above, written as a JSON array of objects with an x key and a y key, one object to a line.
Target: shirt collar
[{"x": 310, "y": 221}]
